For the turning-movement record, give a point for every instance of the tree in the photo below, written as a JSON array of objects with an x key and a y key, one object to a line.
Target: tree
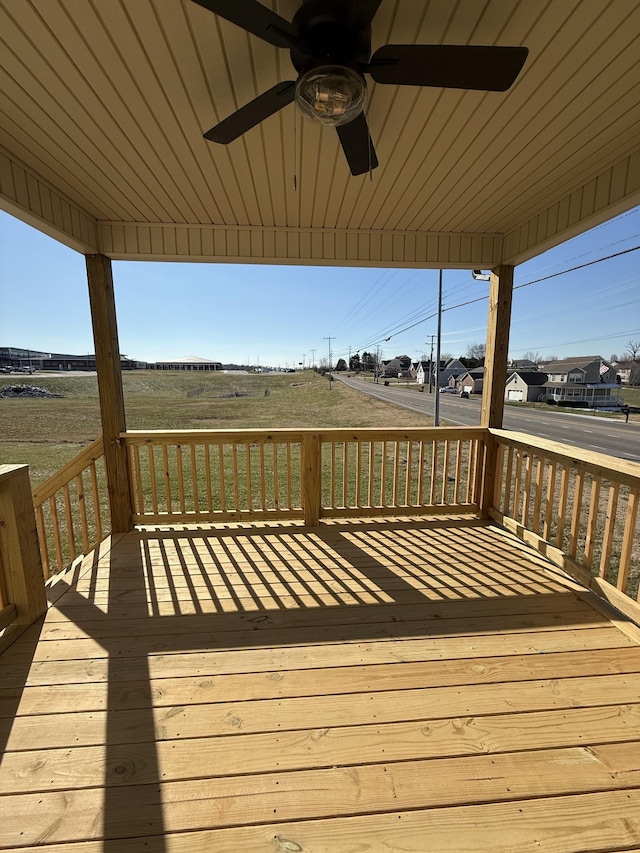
[
  {"x": 477, "y": 351},
  {"x": 633, "y": 350},
  {"x": 354, "y": 362},
  {"x": 535, "y": 357},
  {"x": 368, "y": 361},
  {"x": 341, "y": 365}
]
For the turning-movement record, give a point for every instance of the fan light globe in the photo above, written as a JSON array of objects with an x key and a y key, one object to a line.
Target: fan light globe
[{"x": 330, "y": 94}]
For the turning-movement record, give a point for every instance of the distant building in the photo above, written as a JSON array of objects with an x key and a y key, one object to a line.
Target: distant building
[
  {"x": 190, "y": 362},
  {"x": 18, "y": 358},
  {"x": 587, "y": 380},
  {"x": 525, "y": 386}
]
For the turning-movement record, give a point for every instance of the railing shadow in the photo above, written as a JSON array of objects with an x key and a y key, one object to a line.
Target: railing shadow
[{"x": 162, "y": 593}]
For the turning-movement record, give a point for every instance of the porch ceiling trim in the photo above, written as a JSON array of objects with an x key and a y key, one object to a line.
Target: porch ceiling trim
[
  {"x": 289, "y": 245},
  {"x": 611, "y": 193},
  {"x": 27, "y": 196}
]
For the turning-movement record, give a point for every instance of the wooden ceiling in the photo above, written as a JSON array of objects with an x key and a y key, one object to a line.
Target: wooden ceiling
[{"x": 103, "y": 104}]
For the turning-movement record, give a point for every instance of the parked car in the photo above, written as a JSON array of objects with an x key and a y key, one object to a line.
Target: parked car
[{"x": 448, "y": 390}]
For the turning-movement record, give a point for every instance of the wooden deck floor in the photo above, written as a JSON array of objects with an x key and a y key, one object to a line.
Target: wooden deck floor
[{"x": 358, "y": 687}]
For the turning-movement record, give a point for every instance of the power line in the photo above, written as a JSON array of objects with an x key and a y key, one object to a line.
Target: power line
[{"x": 518, "y": 287}]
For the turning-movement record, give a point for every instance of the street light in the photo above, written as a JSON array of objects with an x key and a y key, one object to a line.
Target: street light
[{"x": 478, "y": 275}]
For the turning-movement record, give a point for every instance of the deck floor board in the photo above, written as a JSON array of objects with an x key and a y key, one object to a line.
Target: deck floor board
[{"x": 398, "y": 687}]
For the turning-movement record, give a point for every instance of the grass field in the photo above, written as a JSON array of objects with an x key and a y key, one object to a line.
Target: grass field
[{"x": 45, "y": 433}]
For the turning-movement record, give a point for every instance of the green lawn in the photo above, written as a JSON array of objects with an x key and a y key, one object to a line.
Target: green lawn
[{"x": 45, "y": 433}]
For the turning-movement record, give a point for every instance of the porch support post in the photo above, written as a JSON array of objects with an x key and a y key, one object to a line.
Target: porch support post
[
  {"x": 495, "y": 363},
  {"x": 495, "y": 371},
  {"x": 105, "y": 336}
]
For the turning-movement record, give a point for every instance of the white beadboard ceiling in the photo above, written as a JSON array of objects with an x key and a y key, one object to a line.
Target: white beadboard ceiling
[{"x": 103, "y": 104}]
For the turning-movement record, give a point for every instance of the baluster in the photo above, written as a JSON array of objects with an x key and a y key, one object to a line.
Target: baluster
[
  {"x": 371, "y": 471},
  {"x": 445, "y": 473},
  {"x": 609, "y": 530},
  {"x": 221, "y": 471},
  {"x": 137, "y": 476},
  {"x": 358, "y": 473},
  {"x": 345, "y": 474},
  {"x": 69, "y": 522},
  {"x": 84, "y": 526},
  {"x": 236, "y": 488},
  {"x": 517, "y": 483},
  {"x": 507, "y": 483},
  {"x": 537, "y": 506},
  {"x": 627, "y": 539},
  {"x": 263, "y": 480},
  {"x": 194, "y": 480},
  {"x": 276, "y": 480},
  {"x": 167, "y": 478},
  {"x": 44, "y": 545},
  {"x": 551, "y": 490},
  {"x": 592, "y": 522},
  {"x": 527, "y": 489},
  {"x": 409, "y": 477},
  {"x": 576, "y": 514},
  {"x": 207, "y": 469},
  {"x": 152, "y": 478},
  {"x": 289, "y": 469},
  {"x": 248, "y": 464},
  {"x": 396, "y": 473},
  {"x": 95, "y": 495},
  {"x": 180, "y": 472},
  {"x": 562, "y": 507},
  {"x": 383, "y": 475},
  {"x": 434, "y": 472},
  {"x": 55, "y": 527},
  {"x": 458, "y": 474}
]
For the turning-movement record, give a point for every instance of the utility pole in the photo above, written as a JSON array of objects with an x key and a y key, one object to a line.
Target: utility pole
[
  {"x": 431, "y": 363},
  {"x": 349, "y": 362},
  {"x": 377, "y": 363},
  {"x": 330, "y": 339},
  {"x": 436, "y": 418},
  {"x": 304, "y": 355},
  {"x": 313, "y": 359}
]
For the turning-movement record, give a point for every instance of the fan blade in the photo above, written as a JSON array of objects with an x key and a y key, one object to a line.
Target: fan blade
[
  {"x": 488, "y": 68},
  {"x": 253, "y": 113},
  {"x": 357, "y": 145},
  {"x": 254, "y": 18},
  {"x": 366, "y": 11}
]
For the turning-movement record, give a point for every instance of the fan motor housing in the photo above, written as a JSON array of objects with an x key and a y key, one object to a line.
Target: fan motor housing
[{"x": 330, "y": 33}]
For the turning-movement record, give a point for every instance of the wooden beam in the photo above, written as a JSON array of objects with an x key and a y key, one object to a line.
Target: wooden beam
[
  {"x": 20, "y": 564},
  {"x": 495, "y": 364},
  {"x": 105, "y": 335}
]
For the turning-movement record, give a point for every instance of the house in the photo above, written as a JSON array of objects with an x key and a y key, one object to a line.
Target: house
[
  {"x": 525, "y": 386},
  {"x": 397, "y": 368},
  {"x": 472, "y": 381},
  {"x": 523, "y": 364},
  {"x": 421, "y": 372},
  {"x": 584, "y": 381}
]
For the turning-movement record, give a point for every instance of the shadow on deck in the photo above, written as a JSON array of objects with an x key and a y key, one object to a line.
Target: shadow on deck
[{"x": 373, "y": 685}]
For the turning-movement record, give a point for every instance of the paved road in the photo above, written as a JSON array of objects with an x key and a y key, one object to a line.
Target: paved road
[{"x": 602, "y": 435}]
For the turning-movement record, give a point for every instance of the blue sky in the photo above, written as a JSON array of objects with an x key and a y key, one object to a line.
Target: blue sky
[{"x": 278, "y": 315}]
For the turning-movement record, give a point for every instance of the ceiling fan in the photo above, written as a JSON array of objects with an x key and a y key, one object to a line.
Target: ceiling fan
[{"x": 330, "y": 46}]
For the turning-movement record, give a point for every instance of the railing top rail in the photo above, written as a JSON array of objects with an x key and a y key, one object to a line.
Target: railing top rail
[
  {"x": 611, "y": 467},
  {"x": 68, "y": 471},
  {"x": 133, "y": 437}
]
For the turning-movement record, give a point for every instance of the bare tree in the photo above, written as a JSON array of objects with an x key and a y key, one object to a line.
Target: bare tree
[
  {"x": 535, "y": 357},
  {"x": 476, "y": 351},
  {"x": 633, "y": 350}
]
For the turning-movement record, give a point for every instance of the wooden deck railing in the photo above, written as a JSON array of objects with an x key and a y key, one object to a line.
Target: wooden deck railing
[
  {"x": 71, "y": 509},
  {"x": 209, "y": 476},
  {"x": 577, "y": 507}
]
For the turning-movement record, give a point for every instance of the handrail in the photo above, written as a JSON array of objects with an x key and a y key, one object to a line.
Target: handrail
[
  {"x": 579, "y": 508},
  {"x": 218, "y": 475},
  {"x": 77, "y": 492}
]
